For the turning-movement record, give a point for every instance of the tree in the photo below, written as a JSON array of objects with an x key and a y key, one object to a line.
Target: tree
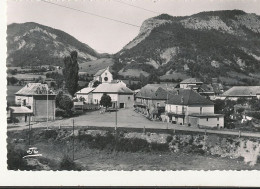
[
  {"x": 71, "y": 71},
  {"x": 106, "y": 100},
  {"x": 96, "y": 83},
  {"x": 66, "y": 103},
  {"x": 12, "y": 80}
]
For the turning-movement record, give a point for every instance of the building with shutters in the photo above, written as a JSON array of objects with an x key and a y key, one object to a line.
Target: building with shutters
[{"x": 187, "y": 107}]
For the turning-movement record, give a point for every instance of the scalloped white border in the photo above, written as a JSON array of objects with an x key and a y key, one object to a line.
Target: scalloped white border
[{"x": 104, "y": 178}]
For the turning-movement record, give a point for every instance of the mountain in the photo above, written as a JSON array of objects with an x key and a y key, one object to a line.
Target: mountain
[
  {"x": 34, "y": 44},
  {"x": 222, "y": 44}
]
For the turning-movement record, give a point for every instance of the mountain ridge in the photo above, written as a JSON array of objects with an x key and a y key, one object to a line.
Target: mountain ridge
[
  {"x": 31, "y": 43},
  {"x": 204, "y": 45}
]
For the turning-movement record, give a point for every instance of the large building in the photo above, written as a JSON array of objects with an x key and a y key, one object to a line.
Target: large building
[
  {"x": 121, "y": 96},
  {"x": 190, "y": 108},
  {"x": 237, "y": 92},
  {"x": 34, "y": 99},
  {"x": 153, "y": 97}
]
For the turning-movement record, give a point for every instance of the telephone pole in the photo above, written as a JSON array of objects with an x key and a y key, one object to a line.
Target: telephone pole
[{"x": 73, "y": 140}]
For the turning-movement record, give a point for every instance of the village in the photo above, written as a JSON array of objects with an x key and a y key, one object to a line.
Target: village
[
  {"x": 96, "y": 86},
  {"x": 190, "y": 104}
]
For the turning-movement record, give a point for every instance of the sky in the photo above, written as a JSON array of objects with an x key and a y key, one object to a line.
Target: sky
[{"x": 107, "y": 36}]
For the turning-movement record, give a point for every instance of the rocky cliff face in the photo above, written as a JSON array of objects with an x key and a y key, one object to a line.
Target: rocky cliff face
[
  {"x": 35, "y": 44},
  {"x": 207, "y": 44}
]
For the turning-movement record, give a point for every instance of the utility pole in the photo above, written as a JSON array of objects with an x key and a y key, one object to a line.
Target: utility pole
[
  {"x": 29, "y": 130},
  {"x": 116, "y": 118},
  {"x": 73, "y": 140},
  {"x": 167, "y": 103},
  {"x": 47, "y": 107}
]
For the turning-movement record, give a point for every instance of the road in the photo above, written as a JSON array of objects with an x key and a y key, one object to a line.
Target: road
[{"x": 129, "y": 119}]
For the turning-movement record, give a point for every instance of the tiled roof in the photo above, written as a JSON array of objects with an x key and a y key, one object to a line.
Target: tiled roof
[
  {"x": 20, "y": 110},
  {"x": 189, "y": 97},
  {"x": 33, "y": 89},
  {"x": 217, "y": 87},
  {"x": 155, "y": 91},
  {"x": 206, "y": 88},
  {"x": 113, "y": 88},
  {"x": 101, "y": 71},
  {"x": 85, "y": 90},
  {"x": 242, "y": 91},
  {"x": 191, "y": 80}
]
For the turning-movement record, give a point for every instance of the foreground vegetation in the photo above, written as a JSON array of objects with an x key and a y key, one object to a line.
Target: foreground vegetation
[{"x": 126, "y": 150}]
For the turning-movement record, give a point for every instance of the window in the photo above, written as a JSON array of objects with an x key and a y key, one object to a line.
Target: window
[
  {"x": 207, "y": 119},
  {"x": 105, "y": 78},
  {"x": 158, "y": 104},
  {"x": 129, "y": 98},
  {"x": 218, "y": 118},
  {"x": 200, "y": 110}
]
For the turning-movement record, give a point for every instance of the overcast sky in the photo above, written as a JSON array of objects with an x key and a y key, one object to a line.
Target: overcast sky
[{"x": 105, "y": 35}]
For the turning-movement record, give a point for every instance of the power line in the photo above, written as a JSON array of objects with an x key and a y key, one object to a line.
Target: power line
[
  {"x": 122, "y": 22},
  {"x": 90, "y": 13},
  {"x": 118, "y": 1}
]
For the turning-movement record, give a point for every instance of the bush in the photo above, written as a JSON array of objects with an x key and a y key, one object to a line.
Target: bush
[
  {"x": 59, "y": 112},
  {"x": 159, "y": 147},
  {"x": 50, "y": 134},
  {"x": 169, "y": 139},
  {"x": 15, "y": 159},
  {"x": 68, "y": 164}
]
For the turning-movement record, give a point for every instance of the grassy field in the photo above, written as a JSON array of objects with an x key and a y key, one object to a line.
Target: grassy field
[
  {"x": 92, "y": 67},
  {"x": 11, "y": 90}
]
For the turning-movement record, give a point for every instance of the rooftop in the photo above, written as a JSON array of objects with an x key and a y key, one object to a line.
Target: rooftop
[
  {"x": 99, "y": 72},
  {"x": 20, "y": 110},
  {"x": 242, "y": 91},
  {"x": 153, "y": 91},
  {"x": 189, "y": 97},
  {"x": 191, "y": 80},
  {"x": 33, "y": 89},
  {"x": 85, "y": 90},
  {"x": 113, "y": 88}
]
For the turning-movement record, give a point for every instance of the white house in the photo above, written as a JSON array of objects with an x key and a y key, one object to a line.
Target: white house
[
  {"x": 190, "y": 108},
  {"x": 34, "y": 97},
  {"x": 86, "y": 93},
  {"x": 237, "y": 92},
  {"x": 103, "y": 76},
  {"x": 121, "y": 95},
  {"x": 191, "y": 83}
]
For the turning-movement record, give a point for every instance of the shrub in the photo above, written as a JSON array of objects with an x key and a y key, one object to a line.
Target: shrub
[
  {"x": 59, "y": 112},
  {"x": 169, "y": 139},
  {"x": 159, "y": 146},
  {"x": 15, "y": 159},
  {"x": 50, "y": 134},
  {"x": 68, "y": 164}
]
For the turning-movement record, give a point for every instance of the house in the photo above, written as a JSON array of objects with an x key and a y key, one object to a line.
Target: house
[
  {"x": 237, "y": 92},
  {"x": 86, "y": 93},
  {"x": 213, "y": 90},
  {"x": 121, "y": 96},
  {"x": 191, "y": 83},
  {"x": 152, "y": 96},
  {"x": 103, "y": 76},
  {"x": 21, "y": 113},
  {"x": 190, "y": 108},
  {"x": 34, "y": 96}
]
